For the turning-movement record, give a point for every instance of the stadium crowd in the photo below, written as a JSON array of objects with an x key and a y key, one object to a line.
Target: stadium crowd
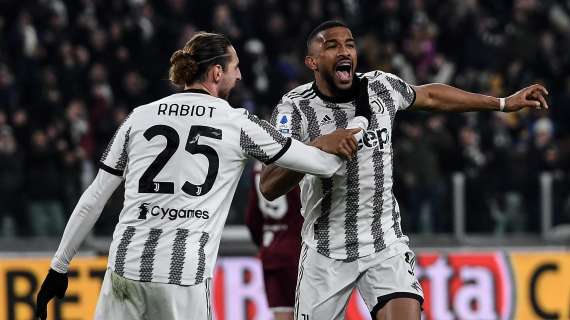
[{"x": 70, "y": 72}]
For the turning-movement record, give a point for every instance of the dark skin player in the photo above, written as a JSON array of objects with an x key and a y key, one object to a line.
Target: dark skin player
[{"x": 332, "y": 56}]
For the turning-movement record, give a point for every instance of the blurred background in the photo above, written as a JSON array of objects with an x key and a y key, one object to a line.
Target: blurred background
[{"x": 70, "y": 71}]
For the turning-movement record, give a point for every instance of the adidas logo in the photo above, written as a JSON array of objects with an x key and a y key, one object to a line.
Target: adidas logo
[{"x": 326, "y": 120}]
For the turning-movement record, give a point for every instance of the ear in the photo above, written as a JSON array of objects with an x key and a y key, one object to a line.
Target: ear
[
  {"x": 217, "y": 73},
  {"x": 311, "y": 63}
]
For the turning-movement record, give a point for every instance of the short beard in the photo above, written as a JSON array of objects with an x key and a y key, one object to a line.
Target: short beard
[{"x": 336, "y": 91}]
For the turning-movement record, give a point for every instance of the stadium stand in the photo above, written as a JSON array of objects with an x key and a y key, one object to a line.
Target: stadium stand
[{"x": 70, "y": 71}]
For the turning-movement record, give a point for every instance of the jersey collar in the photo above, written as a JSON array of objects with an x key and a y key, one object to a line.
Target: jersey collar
[
  {"x": 351, "y": 94},
  {"x": 197, "y": 91}
]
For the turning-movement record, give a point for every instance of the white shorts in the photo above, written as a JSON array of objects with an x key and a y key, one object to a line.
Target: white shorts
[
  {"x": 122, "y": 298},
  {"x": 324, "y": 285}
]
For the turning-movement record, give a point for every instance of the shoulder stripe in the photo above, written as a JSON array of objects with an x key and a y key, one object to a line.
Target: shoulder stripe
[
  {"x": 309, "y": 93},
  {"x": 251, "y": 148},
  {"x": 292, "y": 96},
  {"x": 311, "y": 115},
  {"x": 299, "y": 92},
  {"x": 110, "y": 144},
  {"x": 296, "y": 123},
  {"x": 123, "y": 159},
  {"x": 402, "y": 88},
  {"x": 273, "y": 119},
  {"x": 278, "y": 137}
]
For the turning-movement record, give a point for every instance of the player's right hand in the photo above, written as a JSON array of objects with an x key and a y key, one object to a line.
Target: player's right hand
[
  {"x": 54, "y": 285},
  {"x": 340, "y": 142},
  {"x": 533, "y": 96}
]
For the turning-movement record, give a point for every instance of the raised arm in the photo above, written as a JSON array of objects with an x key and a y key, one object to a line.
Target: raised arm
[
  {"x": 260, "y": 140},
  {"x": 321, "y": 157},
  {"x": 441, "y": 97}
]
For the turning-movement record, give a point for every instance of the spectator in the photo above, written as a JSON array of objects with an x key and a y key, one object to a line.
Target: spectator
[
  {"x": 11, "y": 182},
  {"x": 43, "y": 185},
  {"x": 54, "y": 52}
]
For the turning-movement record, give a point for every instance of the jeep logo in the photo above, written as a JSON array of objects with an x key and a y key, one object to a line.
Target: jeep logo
[{"x": 374, "y": 139}]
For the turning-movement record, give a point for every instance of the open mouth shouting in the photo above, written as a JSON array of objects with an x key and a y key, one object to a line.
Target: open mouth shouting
[{"x": 343, "y": 70}]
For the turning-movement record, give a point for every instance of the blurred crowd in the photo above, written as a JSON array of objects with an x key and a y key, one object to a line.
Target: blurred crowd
[{"x": 70, "y": 71}]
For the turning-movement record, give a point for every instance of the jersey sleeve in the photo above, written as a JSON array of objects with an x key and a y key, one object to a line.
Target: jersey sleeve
[
  {"x": 260, "y": 140},
  {"x": 83, "y": 218},
  {"x": 286, "y": 118},
  {"x": 115, "y": 157},
  {"x": 405, "y": 93}
]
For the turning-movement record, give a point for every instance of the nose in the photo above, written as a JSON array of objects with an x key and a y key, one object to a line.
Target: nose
[
  {"x": 238, "y": 74},
  {"x": 343, "y": 51}
]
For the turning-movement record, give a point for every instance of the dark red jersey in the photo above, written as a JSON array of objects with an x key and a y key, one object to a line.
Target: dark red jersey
[{"x": 275, "y": 226}]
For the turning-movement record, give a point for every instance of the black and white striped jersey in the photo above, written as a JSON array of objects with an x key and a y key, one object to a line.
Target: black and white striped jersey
[
  {"x": 182, "y": 157},
  {"x": 354, "y": 213}
]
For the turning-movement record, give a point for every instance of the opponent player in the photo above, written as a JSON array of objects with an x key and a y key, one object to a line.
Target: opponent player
[
  {"x": 181, "y": 158},
  {"x": 275, "y": 227},
  {"x": 352, "y": 235}
]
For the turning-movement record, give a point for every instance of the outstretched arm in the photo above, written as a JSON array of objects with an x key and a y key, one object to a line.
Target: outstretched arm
[{"x": 441, "y": 97}]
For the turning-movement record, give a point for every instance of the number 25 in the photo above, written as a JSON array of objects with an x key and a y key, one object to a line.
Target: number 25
[{"x": 147, "y": 183}]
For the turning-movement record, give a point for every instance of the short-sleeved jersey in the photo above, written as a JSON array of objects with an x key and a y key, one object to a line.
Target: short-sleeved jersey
[
  {"x": 354, "y": 213},
  {"x": 181, "y": 157}
]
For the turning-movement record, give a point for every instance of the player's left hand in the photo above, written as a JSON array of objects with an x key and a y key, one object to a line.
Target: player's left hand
[
  {"x": 530, "y": 97},
  {"x": 54, "y": 285}
]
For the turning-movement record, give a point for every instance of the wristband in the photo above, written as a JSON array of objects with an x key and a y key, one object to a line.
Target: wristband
[{"x": 502, "y": 103}]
